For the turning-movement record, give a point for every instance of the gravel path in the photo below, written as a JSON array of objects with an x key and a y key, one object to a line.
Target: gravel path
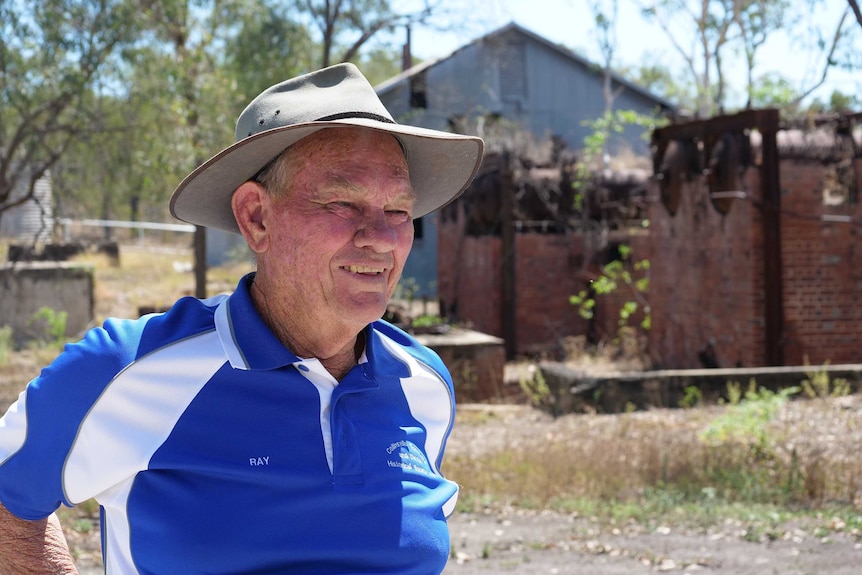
[{"x": 550, "y": 543}]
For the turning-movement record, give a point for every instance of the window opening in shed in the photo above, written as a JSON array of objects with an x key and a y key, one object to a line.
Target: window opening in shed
[{"x": 418, "y": 84}]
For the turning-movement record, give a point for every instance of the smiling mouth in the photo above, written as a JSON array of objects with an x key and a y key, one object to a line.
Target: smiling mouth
[{"x": 364, "y": 270}]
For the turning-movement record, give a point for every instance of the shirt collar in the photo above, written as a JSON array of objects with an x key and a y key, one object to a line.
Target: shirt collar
[
  {"x": 247, "y": 340},
  {"x": 250, "y": 344}
]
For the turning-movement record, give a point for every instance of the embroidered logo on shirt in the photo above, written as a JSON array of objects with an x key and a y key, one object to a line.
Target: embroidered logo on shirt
[
  {"x": 409, "y": 458},
  {"x": 258, "y": 461}
]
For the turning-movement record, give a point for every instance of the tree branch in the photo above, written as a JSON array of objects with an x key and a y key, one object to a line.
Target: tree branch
[
  {"x": 854, "y": 5},
  {"x": 836, "y": 38}
]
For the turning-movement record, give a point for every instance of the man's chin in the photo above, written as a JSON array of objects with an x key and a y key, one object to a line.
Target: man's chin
[{"x": 366, "y": 308}]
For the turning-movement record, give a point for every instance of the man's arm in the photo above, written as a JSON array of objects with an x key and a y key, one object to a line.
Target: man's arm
[{"x": 33, "y": 547}]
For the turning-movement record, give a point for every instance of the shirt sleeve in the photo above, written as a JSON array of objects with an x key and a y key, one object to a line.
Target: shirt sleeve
[{"x": 38, "y": 430}]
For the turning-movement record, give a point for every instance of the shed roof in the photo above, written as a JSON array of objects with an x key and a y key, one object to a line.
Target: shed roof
[{"x": 594, "y": 68}]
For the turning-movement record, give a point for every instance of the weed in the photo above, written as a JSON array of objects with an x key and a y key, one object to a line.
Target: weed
[
  {"x": 745, "y": 421},
  {"x": 820, "y": 384},
  {"x": 427, "y": 321},
  {"x": 82, "y": 525},
  {"x": 52, "y": 324},
  {"x": 692, "y": 397},
  {"x": 536, "y": 389},
  {"x": 5, "y": 344}
]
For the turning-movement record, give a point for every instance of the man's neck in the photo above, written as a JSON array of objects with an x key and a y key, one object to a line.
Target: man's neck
[{"x": 337, "y": 352}]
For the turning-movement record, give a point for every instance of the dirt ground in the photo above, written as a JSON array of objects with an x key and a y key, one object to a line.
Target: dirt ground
[
  {"x": 509, "y": 540},
  {"x": 545, "y": 542}
]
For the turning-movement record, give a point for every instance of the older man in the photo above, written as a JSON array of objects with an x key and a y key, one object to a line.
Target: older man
[{"x": 282, "y": 429}]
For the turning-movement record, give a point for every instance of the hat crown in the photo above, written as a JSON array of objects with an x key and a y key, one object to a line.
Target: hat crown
[{"x": 334, "y": 93}]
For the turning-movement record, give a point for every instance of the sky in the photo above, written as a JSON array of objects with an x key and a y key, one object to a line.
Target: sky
[{"x": 569, "y": 22}]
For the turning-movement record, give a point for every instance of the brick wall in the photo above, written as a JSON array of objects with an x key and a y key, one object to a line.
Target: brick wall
[
  {"x": 549, "y": 268},
  {"x": 707, "y": 277},
  {"x": 708, "y": 281},
  {"x": 470, "y": 279},
  {"x": 547, "y": 272},
  {"x": 822, "y": 270}
]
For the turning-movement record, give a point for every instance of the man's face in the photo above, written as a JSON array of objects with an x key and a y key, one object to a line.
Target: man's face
[{"x": 343, "y": 229}]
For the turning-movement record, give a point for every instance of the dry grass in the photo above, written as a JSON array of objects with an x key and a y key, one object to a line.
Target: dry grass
[
  {"x": 152, "y": 277},
  {"x": 146, "y": 276},
  {"x": 808, "y": 459}
]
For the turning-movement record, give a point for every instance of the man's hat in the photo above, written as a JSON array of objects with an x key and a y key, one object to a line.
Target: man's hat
[{"x": 441, "y": 164}]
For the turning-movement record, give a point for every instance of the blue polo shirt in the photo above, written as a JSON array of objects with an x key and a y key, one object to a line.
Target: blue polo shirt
[{"x": 212, "y": 448}]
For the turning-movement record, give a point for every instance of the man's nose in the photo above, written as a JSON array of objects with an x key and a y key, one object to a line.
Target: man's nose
[{"x": 376, "y": 232}]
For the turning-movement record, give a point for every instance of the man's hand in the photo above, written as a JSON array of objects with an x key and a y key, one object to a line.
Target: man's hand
[{"x": 33, "y": 547}]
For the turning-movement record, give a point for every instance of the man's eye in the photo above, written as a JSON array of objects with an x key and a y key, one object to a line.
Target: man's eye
[
  {"x": 399, "y": 215},
  {"x": 342, "y": 206}
]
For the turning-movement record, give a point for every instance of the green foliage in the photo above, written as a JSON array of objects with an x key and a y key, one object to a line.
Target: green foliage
[
  {"x": 660, "y": 79},
  {"x": 427, "y": 321},
  {"x": 380, "y": 64},
  {"x": 121, "y": 99},
  {"x": 52, "y": 55},
  {"x": 536, "y": 389},
  {"x": 820, "y": 384},
  {"x": 773, "y": 91},
  {"x": 614, "y": 276},
  {"x": 601, "y": 131},
  {"x": 267, "y": 34},
  {"x": 746, "y": 420},
  {"x": 623, "y": 272},
  {"x": 726, "y": 29},
  {"x": 53, "y": 325},
  {"x": 407, "y": 289},
  {"x": 692, "y": 397},
  {"x": 843, "y": 103}
]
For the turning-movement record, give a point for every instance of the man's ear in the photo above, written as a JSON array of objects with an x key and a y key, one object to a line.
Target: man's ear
[{"x": 249, "y": 203}]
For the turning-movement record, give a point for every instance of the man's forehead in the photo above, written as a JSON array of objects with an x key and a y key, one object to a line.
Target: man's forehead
[
  {"x": 345, "y": 147},
  {"x": 350, "y": 138},
  {"x": 335, "y": 183}
]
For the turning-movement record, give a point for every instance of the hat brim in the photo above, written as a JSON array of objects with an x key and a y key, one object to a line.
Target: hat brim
[{"x": 441, "y": 167}]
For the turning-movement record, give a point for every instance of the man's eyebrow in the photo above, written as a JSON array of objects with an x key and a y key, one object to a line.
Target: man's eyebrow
[{"x": 345, "y": 183}]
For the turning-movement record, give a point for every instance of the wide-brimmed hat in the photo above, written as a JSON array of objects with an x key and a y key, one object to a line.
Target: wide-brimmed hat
[{"x": 441, "y": 164}]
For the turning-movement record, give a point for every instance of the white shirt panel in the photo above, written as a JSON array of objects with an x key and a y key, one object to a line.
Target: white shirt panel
[
  {"x": 136, "y": 413},
  {"x": 13, "y": 428}
]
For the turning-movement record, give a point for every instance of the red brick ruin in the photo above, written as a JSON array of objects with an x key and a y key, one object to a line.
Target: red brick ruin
[{"x": 752, "y": 243}]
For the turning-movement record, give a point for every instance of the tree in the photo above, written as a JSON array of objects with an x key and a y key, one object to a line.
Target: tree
[
  {"x": 756, "y": 20},
  {"x": 659, "y": 79},
  {"x": 710, "y": 22},
  {"x": 719, "y": 28},
  {"x": 347, "y": 25},
  {"x": 51, "y": 56},
  {"x": 773, "y": 91},
  {"x": 829, "y": 47},
  {"x": 605, "y": 18},
  {"x": 267, "y": 48},
  {"x": 854, "y": 5}
]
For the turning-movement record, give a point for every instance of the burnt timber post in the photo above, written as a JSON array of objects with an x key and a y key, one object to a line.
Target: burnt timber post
[
  {"x": 200, "y": 252},
  {"x": 507, "y": 235},
  {"x": 772, "y": 269}
]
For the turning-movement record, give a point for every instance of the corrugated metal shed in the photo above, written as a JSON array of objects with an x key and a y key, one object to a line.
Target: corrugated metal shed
[{"x": 518, "y": 77}]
